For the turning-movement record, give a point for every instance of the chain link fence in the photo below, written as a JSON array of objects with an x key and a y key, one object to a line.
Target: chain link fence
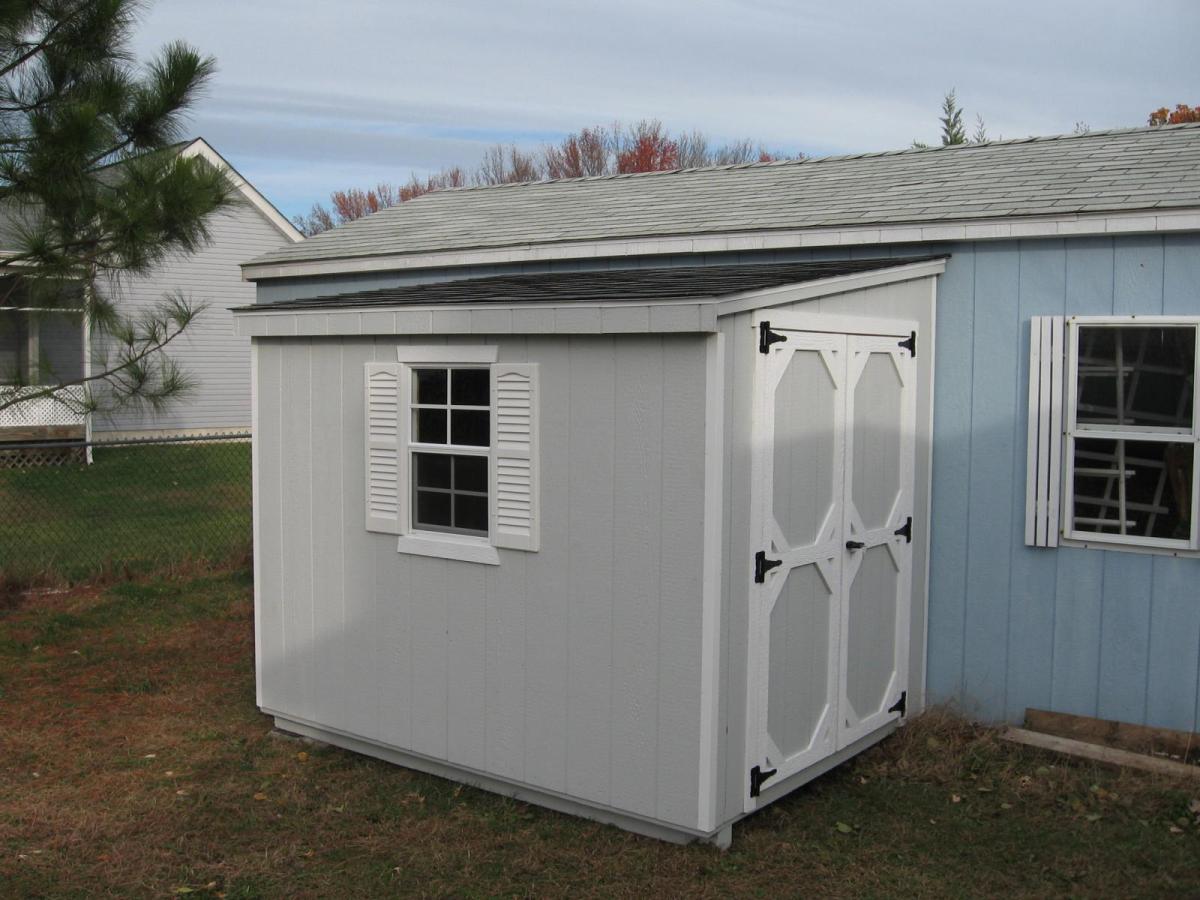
[{"x": 138, "y": 506}]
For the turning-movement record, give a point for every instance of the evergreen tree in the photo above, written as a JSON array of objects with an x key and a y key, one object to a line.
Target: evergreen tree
[
  {"x": 93, "y": 189},
  {"x": 952, "y": 121}
]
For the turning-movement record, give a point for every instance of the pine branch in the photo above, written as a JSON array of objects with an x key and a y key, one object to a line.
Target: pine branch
[{"x": 150, "y": 344}]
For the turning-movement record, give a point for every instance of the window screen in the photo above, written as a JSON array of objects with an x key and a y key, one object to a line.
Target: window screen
[{"x": 1131, "y": 436}]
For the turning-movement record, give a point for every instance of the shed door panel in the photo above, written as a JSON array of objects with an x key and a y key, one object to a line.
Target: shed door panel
[
  {"x": 832, "y": 463},
  {"x": 881, "y": 425},
  {"x": 801, "y": 410}
]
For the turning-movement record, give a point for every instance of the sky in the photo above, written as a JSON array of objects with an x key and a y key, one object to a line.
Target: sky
[{"x": 312, "y": 97}]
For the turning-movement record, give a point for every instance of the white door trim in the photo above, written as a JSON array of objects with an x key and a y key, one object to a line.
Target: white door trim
[{"x": 831, "y": 336}]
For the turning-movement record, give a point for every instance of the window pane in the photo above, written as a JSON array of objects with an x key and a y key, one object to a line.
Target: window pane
[
  {"x": 469, "y": 427},
  {"x": 433, "y": 470},
  {"x": 470, "y": 512},
  {"x": 1157, "y": 488},
  {"x": 1136, "y": 375},
  {"x": 429, "y": 385},
  {"x": 470, "y": 473},
  {"x": 432, "y": 508},
  {"x": 429, "y": 426},
  {"x": 470, "y": 387}
]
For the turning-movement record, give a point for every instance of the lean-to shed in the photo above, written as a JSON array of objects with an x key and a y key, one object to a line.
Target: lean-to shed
[{"x": 652, "y": 517}]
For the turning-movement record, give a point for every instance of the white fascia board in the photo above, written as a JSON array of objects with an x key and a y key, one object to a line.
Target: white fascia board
[
  {"x": 1011, "y": 228},
  {"x": 823, "y": 287},
  {"x": 686, "y": 315},
  {"x": 200, "y": 147}
]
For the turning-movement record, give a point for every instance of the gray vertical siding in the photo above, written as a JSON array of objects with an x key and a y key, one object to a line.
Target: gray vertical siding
[
  {"x": 1093, "y": 632},
  {"x": 575, "y": 669},
  {"x": 217, "y": 360}
]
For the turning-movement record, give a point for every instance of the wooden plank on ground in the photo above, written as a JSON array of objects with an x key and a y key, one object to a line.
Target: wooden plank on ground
[
  {"x": 1107, "y": 755},
  {"x": 1123, "y": 735}
]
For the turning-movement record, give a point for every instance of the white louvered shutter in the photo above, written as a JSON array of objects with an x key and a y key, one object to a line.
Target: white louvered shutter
[
  {"x": 383, "y": 447},
  {"x": 515, "y": 456},
  {"x": 1047, "y": 364}
]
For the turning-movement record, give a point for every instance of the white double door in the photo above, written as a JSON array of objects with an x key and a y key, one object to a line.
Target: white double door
[{"x": 831, "y": 507}]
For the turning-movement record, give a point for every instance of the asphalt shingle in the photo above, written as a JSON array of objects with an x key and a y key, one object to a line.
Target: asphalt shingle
[{"x": 1115, "y": 170}]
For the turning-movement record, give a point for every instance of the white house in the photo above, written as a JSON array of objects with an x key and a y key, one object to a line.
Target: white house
[{"x": 209, "y": 350}]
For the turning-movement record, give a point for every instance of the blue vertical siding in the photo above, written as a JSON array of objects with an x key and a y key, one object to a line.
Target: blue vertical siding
[
  {"x": 1042, "y": 291},
  {"x": 1100, "y": 633}
]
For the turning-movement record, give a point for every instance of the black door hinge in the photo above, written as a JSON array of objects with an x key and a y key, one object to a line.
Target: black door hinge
[
  {"x": 767, "y": 337},
  {"x": 900, "y": 705},
  {"x": 758, "y": 777},
  {"x": 762, "y": 566},
  {"x": 905, "y": 530},
  {"x": 909, "y": 344}
]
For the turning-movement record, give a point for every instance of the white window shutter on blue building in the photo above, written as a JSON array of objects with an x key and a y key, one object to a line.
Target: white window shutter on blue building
[
  {"x": 383, "y": 447},
  {"x": 1047, "y": 364},
  {"x": 515, "y": 455}
]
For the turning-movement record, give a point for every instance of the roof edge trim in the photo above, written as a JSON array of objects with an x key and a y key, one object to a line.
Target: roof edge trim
[
  {"x": 762, "y": 298},
  {"x": 202, "y": 148},
  {"x": 1140, "y": 221}
]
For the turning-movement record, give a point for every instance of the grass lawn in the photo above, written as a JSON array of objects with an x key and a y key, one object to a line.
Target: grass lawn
[
  {"x": 135, "y": 508},
  {"x": 133, "y": 763}
]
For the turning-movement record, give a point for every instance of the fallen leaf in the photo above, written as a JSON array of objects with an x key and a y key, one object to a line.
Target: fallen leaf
[
  {"x": 1175, "y": 829},
  {"x": 181, "y": 793},
  {"x": 954, "y": 798},
  {"x": 309, "y": 854},
  {"x": 168, "y": 773},
  {"x": 983, "y": 790},
  {"x": 1093, "y": 817},
  {"x": 260, "y": 796},
  {"x": 150, "y": 756},
  {"x": 844, "y": 828},
  {"x": 302, "y": 756}
]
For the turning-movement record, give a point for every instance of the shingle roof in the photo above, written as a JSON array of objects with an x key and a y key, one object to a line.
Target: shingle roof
[
  {"x": 1131, "y": 169},
  {"x": 643, "y": 285}
]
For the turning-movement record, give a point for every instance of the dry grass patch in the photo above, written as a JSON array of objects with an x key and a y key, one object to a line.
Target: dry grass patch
[{"x": 133, "y": 763}]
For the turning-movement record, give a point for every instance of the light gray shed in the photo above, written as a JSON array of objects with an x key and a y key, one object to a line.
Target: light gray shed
[{"x": 646, "y": 545}]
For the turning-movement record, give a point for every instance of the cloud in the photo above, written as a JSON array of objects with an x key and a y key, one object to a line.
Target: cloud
[{"x": 313, "y": 97}]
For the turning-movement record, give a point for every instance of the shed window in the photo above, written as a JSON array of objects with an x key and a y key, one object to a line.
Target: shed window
[
  {"x": 1128, "y": 473},
  {"x": 452, "y": 452},
  {"x": 451, "y": 416}
]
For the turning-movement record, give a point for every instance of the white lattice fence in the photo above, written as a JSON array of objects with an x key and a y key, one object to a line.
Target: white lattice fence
[{"x": 40, "y": 411}]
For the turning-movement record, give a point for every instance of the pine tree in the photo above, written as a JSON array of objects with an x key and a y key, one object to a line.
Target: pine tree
[
  {"x": 952, "y": 121},
  {"x": 93, "y": 188}
]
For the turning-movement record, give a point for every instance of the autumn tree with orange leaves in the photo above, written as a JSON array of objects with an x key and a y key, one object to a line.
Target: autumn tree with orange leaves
[
  {"x": 601, "y": 150},
  {"x": 1178, "y": 116}
]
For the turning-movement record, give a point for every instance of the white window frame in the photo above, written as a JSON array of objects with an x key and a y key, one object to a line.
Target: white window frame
[
  {"x": 1073, "y": 431},
  {"x": 418, "y": 541}
]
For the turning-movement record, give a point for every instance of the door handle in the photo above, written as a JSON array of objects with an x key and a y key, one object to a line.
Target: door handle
[{"x": 854, "y": 545}]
